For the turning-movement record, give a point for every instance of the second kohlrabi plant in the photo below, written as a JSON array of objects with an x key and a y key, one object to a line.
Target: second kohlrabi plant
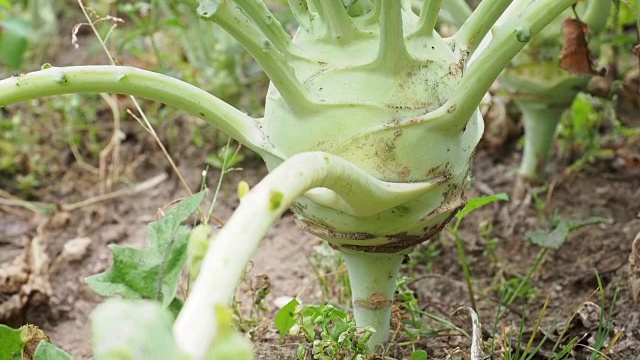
[
  {"x": 369, "y": 128},
  {"x": 546, "y": 76},
  {"x": 542, "y": 89}
]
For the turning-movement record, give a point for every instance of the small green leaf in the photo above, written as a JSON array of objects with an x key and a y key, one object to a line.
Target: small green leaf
[
  {"x": 13, "y": 41},
  {"x": 226, "y": 158},
  {"x": 132, "y": 330},
  {"x": 286, "y": 317},
  {"x": 175, "y": 307},
  {"x": 555, "y": 238},
  {"x": 48, "y": 351},
  {"x": 479, "y": 202},
  {"x": 153, "y": 272},
  {"x": 419, "y": 355},
  {"x": 11, "y": 343}
]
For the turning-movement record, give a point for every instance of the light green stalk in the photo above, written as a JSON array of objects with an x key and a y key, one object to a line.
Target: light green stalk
[
  {"x": 339, "y": 26},
  {"x": 459, "y": 11},
  {"x": 132, "y": 81},
  {"x": 375, "y": 275},
  {"x": 428, "y": 17},
  {"x": 540, "y": 122}
]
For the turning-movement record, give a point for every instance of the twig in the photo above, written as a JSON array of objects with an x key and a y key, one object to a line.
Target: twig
[
  {"x": 140, "y": 187},
  {"x": 112, "y": 148}
]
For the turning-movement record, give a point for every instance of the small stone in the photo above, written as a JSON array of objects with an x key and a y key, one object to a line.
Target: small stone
[{"x": 75, "y": 249}]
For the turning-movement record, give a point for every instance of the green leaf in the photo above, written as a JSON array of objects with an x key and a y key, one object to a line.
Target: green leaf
[
  {"x": 225, "y": 159},
  {"x": 13, "y": 41},
  {"x": 419, "y": 355},
  {"x": 5, "y": 4},
  {"x": 48, "y": 351},
  {"x": 555, "y": 238},
  {"x": 286, "y": 317},
  {"x": 479, "y": 202},
  {"x": 11, "y": 343},
  {"x": 132, "y": 330},
  {"x": 175, "y": 307},
  {"x": 153, "y": 272}
]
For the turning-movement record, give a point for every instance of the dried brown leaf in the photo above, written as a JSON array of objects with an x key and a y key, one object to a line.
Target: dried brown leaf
[{"x": 575, "y": 56}]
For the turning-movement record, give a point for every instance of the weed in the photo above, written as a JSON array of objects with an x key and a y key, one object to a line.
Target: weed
[
  {"x": 326, "y": 332},
  {"x": 472, "y": 205},
  {"x": 331, "y": 272}
]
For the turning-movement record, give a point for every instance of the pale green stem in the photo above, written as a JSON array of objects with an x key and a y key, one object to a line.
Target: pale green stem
[
  {"x": 374, "y": 15},
  {"x": 300, "y": 10},
  {"x": 459, "y": 11},
  {"x": 540, "y": 122},
  {"x": 257, "y": 11},
  {"x": 228, "y": 255},
  {"x": 483, "y": 71},
  {"x": 273, "y": 62},
  {"x": 479, "y": 23},
  {"x": 596, "y": 14},
  {"x": 373, "y": 283},
  {"x": 315, "y": 6},
  {"x": 428, "y": 17},
  {"x": 139, "y": 83},
  {"x": 339, "y": 26},
  {"x": 360, "y": 8},
  {"x": 392, "y": 51}
]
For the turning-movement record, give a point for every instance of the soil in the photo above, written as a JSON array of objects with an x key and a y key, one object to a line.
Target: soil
[{"x": 566, "y": 276}]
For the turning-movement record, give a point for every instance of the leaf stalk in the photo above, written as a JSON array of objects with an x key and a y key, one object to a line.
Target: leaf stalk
[{"x": 140, "y": 83}]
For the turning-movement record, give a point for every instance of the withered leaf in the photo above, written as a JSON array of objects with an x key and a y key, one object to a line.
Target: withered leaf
[
  {"x": 575, "y": 56},
  {"x": 31, "y": 335}
]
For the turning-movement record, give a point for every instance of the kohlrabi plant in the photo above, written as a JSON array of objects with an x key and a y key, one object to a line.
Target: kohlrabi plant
[
  {"x": 542, "y": 89},
  {"x": 546, "y": 76},
  {"x": 369, "y": 128}
]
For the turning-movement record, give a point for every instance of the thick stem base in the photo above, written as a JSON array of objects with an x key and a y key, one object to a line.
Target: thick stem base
[
  {"x": 540, "y": 122},
  {"x": 373, "y": 283}
]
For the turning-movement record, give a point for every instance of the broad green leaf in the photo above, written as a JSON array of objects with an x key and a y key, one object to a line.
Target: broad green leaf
[
  {"x": 419, "y": 355},
  {"x": 153, "y": 272},
  {"x": 286, "y": 317},
  {"x": 11, "y": 343},
  {"x": 48, "y": 351},
  {"x": 123, "y": 329},
  {"x": 555, "y": 238},
  {"x": 5, "y": 4},
  {"x": 13, "y": 41},
  {"x": 479, "y": 202}
]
